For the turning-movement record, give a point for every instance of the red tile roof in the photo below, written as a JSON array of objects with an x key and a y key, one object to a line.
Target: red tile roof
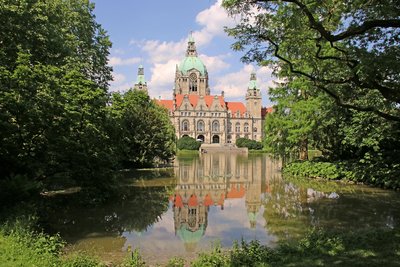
[
  {"x": 194, "y": 99},
  {"x": 168, "y": 104},
  {"x": 236, "y": 106}
]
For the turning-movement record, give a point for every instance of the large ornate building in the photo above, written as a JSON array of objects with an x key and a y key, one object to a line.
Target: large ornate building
[{"x": 209, "y": 118}]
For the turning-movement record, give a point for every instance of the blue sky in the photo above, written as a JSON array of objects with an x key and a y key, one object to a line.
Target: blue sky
[{"x": 154, "y": 34}]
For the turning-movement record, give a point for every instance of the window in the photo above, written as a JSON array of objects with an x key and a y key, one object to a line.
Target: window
[
  {"x": 237, "y": 127},
  {"x": 200, "y": 126},
  {"x": 246, "y": 127},
  {"x": 185, "y": 126},
  {"x": 229, "y": 127},
  {"x": 255, "y": 129},
  {"x": 215, "y": 126},
  {"x": 193, "y": 82}
]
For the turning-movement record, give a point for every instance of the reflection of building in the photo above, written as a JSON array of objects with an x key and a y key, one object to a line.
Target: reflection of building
[
  {"x": 196, "y": 113},
  {"x": 209, "y": 180}
]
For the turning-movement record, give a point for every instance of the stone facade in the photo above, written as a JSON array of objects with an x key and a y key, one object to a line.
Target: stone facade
[{"x": 209, "y": 118}]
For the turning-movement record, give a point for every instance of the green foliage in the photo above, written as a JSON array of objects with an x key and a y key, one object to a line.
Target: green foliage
[
  {"x": 56, "y": 123},
  {"x": 188, "y": 143},
  {"x": 134, "y": 260},
  {"x": 215, "y": 258},
  {"x": 176, "y": 262},
  {"x": 336, "y": 93},
  {"x": 81, "y": 260},
  {"x": 313, "y": 169},
  {"x": 374, "y": 171},
  {"x": 251, "y": 254},
  {"x": 250, "y": 144},
  {"x": 142, "y": 131}
]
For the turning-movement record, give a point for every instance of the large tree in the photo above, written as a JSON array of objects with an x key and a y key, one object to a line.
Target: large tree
[
  {"x": 347, "y": 49},
  {"x": 53, "y": 91}
]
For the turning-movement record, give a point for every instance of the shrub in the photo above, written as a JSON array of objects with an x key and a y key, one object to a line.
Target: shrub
[
  {"x": 188, "y": 143},
  {"x": 250, "y": 144}
]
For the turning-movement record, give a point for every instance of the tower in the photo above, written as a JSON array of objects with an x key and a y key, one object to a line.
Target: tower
[
  {"x": 253, "y": 97},
  {"x": 141, "y": 83},
  {"x": 191, "y": 76}
]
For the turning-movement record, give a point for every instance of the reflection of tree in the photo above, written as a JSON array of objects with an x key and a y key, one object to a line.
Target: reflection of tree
[
  {"x": 285, "y": 213},
  {"x": 138, "y": 208},
  {"x": 293, "y": 205}
]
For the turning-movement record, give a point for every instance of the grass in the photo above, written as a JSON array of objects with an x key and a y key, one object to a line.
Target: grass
[{"x": 20, "y": 247}]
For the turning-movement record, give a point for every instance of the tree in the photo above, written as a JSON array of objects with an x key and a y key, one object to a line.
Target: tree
[
  {"x": 348, "y": 49},
  {"x": 143, "y": 132},
  {"x": 53, "y": 92},
  {"x": 189, "y": 143}
]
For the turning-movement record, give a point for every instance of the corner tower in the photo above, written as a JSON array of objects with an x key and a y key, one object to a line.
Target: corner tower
[
  {"x": 141, "y": 83},
  {"x": 253, "y": 97},
  {"x": 191, "y": 76}
]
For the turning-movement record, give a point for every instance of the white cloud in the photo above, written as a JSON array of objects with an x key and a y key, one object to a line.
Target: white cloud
[
  {"x": 214, "y": 64},
  {"x": 117, "y": 61},
  {"x": 162, "y": 79},
  {"x": 214, "y": 19},
  {"x": 118, "y": 78},
  {"x": 235, "y": 84}
]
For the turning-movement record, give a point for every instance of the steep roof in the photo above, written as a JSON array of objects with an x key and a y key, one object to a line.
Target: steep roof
[
  {"x": 236, "y": 106},
  {"x": 168, "y": 104},
  {"x": 193, "y": 99}
]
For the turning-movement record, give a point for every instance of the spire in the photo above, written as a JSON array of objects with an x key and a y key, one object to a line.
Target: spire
[
  {"x": 253, "y": 81},
  {"x": 141, "y": 83},
  {"x": 191, "y": 49},
  {"x": 140, "y": 77}
]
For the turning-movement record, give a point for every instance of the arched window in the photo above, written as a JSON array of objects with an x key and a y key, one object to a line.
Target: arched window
[
  {"x": 185, "y": 125},
  {"x": 215, "y": 126},
  {"x": 200, "y": 126},
  {"x": 237, "y": 127},
  {"x": 229, "y": 127},
  {"x": 193, "y": 82},
  {"x": 246, "y": 127}
]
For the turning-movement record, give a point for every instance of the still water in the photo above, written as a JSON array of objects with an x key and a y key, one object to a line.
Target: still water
[{"x": 220, "y": 198}]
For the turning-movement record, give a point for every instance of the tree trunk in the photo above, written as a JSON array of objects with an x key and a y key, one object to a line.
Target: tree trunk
[{"x": 304, "y": 149}]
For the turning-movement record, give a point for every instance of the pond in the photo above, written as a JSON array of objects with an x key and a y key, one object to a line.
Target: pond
[{"x": 216, "y": 197}]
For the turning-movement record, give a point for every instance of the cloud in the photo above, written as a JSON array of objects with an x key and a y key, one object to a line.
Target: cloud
[
  {"x": 214, "y": 19},
  {"x": 214, "y": 64},
  {"x": 117, "y": 61},
  {"x": 235, "y": 84},
  {"x": 118, "y": 78},
  {"x": 162, "y": 79}
]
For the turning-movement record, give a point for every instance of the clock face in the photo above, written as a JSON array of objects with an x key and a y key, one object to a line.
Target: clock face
[{"x": 193, "y": 77}]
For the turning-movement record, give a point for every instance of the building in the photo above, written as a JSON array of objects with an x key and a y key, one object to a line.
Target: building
[{"x": 209, "y": 118}]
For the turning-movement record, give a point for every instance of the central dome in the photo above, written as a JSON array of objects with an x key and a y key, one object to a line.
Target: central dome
[{"x": 192, "y": 62}]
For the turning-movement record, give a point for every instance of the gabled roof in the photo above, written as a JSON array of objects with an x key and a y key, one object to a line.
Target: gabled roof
[
  {"x": 236, "y": 106},
  {"x": 168, "y": 104},
  {"x": 194, "y": 99}
]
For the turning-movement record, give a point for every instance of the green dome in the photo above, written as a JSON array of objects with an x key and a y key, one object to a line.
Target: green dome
[
  {"x": 192, "y": 62},
  {"x": 191, "y": 237}
]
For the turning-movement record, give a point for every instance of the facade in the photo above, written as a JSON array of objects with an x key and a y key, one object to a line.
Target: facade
[{"x": 209, "y": 118}]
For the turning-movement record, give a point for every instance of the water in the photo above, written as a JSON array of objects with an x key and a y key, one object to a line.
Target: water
[{"x": 220, "y": 198}]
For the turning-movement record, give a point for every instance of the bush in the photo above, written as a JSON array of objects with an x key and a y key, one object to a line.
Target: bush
[
  {"x": 250, "y": 144},
  {"x": 188, "y": 143}
]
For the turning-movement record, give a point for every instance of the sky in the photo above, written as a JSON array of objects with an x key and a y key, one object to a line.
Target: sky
[{"x": 155, "y": 34}]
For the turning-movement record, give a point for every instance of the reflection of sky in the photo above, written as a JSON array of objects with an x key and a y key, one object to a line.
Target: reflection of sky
[{"x": 224, "y": 226}]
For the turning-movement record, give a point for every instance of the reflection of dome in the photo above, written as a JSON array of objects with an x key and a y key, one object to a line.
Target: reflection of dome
[
  {"x": 192, "y": 62},
  {"x": 190, "y": 238}
]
